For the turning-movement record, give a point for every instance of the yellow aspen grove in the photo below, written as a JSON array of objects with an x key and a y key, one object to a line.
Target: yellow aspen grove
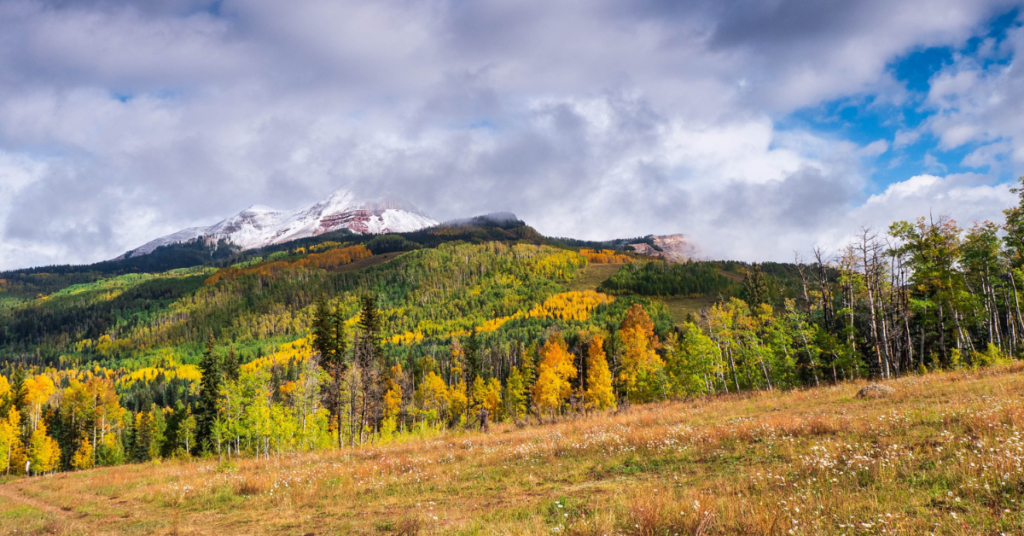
[
  {"x": 432, "y": 397},
  {"x": 393, "y": 395},
  {"x": 392, "y": 404},
  {"x": 641, "y": 365},
  {"x": 599, "y": 393},
  {"x": 458, "y": 397},
  {"x": 39, "y": 389},
  {"x": 43, "y": 451},
  {"x": 515, "y": 394},
  {"x": 10, "y": 439},
  {"x": 458, "y": 402},
  {"x": 82, "y": 459},
  {"x": 487, "y": 394},
  {"x": 555, "y": 371}
]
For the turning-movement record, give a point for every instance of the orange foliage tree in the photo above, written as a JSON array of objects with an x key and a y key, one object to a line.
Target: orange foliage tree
[
  {"x": 554, "y": 372},
  {"x": 599, "y": 393},
  {"x": 641, "y": 373}
]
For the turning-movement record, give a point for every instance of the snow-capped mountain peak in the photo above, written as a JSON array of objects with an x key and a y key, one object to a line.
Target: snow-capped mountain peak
[{"x": 259, "y": 226}]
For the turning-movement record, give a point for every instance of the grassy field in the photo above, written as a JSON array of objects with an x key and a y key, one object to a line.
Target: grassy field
[
  {"x": 680, "y": 308},
  {"x": 592, "y": 276},
  {"x": 944, "y": 455}
]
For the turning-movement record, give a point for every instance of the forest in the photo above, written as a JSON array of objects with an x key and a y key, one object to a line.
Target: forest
[{"x": 348, "y": 340}]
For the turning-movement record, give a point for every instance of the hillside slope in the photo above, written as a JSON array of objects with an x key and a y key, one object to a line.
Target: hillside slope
[{"x": 944, "y": 455}]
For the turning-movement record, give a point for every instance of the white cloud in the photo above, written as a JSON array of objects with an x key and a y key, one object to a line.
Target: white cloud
[
  {"x": 875, "y": 148},
  {"x": 979, "y": 102},
  {"x": 905, "y": 138},
  {"x": 595, "y": 119}
]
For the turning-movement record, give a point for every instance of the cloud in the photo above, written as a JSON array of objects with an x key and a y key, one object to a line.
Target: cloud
[
  {"x": 875, "y": 148},
  {"x": 932, "y": 163},
  {"x": 977, "y": 101},
  {"x": 122, "y": 121},
  {"x": 905, "y": 138}
]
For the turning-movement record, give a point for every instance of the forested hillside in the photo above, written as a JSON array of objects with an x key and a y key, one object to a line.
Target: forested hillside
[{"x": 347, "y": 339}]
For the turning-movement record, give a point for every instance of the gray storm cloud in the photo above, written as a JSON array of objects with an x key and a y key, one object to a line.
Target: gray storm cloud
[{"x": 123, "y": 121}]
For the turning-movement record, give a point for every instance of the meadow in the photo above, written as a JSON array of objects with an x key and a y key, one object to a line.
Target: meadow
[{"x": 943, "y": 455}]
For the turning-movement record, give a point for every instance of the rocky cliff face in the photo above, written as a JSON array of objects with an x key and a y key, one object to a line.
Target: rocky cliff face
[
  {"x": 674, "y": 248},
  {"x": 259, "y": 226}
]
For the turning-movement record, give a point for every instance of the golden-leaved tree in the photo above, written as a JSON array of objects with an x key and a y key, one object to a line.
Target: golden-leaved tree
[
  {"x": 39, "y": 389},
  {"x": 10, "y": 439},
  {"x": 515, "y": 394},
  {"x": 553, "y": 374},
  {"x": 392, "y": 403},
  {"x": 432, "y": 397},
  {"x": 599, "y": 393},
  {"x": 641, "y": 372},
  {"x": 458, "y": 398},
  {"x": 43, "y": 450},
  {"x": 83, "y": 457},
  {"x": 487, "y": 394}
]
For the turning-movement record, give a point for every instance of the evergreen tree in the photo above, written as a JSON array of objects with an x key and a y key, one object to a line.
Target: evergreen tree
[
  {"x": 209, "y": 393},
  {"x": 370, "y": 324},
  {"x": 232, "y": 365},
  {"x": 143, "y": 437},
  {"x": 472, "y": 357},
  {"x": 324, "y": 341},
  {"x": 755, "y": 287},
  {"x": 331, "y": 342}
]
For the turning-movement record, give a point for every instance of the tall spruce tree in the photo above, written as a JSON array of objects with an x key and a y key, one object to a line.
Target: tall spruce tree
[
  {"x": 232, "y": 365},
  {"x": 209, "y": 392},
  {"x": 472, "y": 357},
  {"x": 324, "y": 341},
  {"x": 369, "y": 323},
  {"x": 331, "y": 342},
  {"x": 755, "y": 287}
]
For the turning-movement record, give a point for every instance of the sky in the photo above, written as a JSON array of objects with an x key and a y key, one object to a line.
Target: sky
[{"x": 759, "y": 129}]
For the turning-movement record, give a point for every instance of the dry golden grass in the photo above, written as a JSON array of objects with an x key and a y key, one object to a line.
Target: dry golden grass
[{"x": 944, "y": 455}]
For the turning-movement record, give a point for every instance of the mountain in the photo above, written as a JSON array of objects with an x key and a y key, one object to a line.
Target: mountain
[
  {"x": 259, "y": 226},
  {"x": 672, "y": 248}
]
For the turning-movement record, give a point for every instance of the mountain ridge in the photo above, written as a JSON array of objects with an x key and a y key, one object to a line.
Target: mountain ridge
[{"x": 260, "y": 225}]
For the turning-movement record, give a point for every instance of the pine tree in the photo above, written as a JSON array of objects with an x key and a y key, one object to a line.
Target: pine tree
[
  {"x": 472, "y": 357},
  {"x": 143, "y": 437},
  {"x": 158, "y": 432},
  {"x": 369, "y": 323},
  {"x": 209, "y": 393},
  {"x": 324, "y": 341},
  {"x": 232, "y": 365},
  {"x": 331, "y": 342},
  {"x": 755, "y": 287}
]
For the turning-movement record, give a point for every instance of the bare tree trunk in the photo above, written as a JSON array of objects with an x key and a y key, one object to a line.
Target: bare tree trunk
[
  {"x": 867, "y": 244},
  {"x": 1016, "y": 302}
]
